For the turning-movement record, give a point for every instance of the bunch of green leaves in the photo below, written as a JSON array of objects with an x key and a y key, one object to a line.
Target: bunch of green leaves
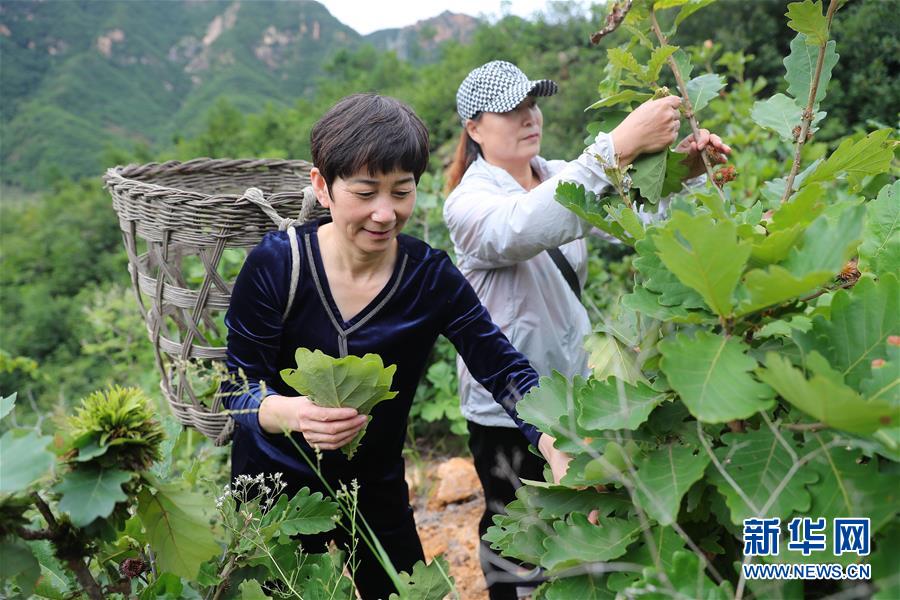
[
  {"x": 116, "y": 427},
  {"x": 348, "y": 382},
  {"x": 751, "y": 372}
]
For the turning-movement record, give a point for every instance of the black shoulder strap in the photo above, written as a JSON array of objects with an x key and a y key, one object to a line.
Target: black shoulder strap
[{"x": 566, "y": 269}]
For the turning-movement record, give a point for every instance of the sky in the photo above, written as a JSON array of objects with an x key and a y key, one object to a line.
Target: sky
[{"x": 366, "y": 16}]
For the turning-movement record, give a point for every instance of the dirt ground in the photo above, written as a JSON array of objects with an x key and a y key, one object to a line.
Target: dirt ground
[{"x": 450, "y": 527}]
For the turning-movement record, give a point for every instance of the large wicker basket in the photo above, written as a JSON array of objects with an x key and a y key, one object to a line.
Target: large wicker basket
[{"x": 178, "y": 221}]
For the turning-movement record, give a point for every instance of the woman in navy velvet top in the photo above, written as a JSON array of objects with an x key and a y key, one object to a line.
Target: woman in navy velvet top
[{"x": 363, "y": 288}]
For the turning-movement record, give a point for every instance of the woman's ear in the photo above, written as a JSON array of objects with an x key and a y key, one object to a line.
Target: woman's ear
[
  {"x": 320, "y": 187},
  {"x": 472, "y": 130}
]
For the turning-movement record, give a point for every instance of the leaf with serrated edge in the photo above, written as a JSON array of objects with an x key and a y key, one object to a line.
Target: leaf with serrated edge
[
  {"x": 613, "y": 404},
  {"x": 306, "y": 513},
  {"x": 806, "y": 17},
  {"x": 880, "y": 249},
  {"x": 551, "y": 406},
  {"x": 704, "y": 255},
  {"x": 664, "y": 476},
  {"x": 862, "y": 319},
  {"x": 431, "y": 582},
  {"x": 758, "y": 463},
  {"x": 688, "y": 578},
  {"x": 177, "y": 528},
  {"x": 90, "y": 493},
  {"x": 586, "y": 205},
  {"x": 657, "y": 278},
  {"x": 800, "y": 65},
  {"x": 578, "y": 541},
  {"x": 24, "y": 459},
  {"x": 803, "y": 208},
  {"x": 623, "y": 97},
  {"x": 824, "y": 396},
  {"x": 712, "y": 374},
  {"x": 351, "y": 381},
  {"x": 624, "y": 60},
  {"x": 704, "y": 88},
  {"x": 772, "y": 286},
  {"x": 869, "y": 156}
]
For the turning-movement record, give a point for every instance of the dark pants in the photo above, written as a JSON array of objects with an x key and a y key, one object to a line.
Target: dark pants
[
  {"x": 501, "y": 458},
  {"x": 385, "y": 506}
]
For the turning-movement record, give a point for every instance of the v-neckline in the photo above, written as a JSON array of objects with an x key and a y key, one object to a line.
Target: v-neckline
[{"x": 328, "y": 297}]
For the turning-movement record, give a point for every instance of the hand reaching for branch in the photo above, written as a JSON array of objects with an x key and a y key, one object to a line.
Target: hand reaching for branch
[
  {"x": 559, "y": 464},
  {"x": 716, "y": 149},
  {"x": 323, "y": 428},
  {"x": 649, "y": 128}
]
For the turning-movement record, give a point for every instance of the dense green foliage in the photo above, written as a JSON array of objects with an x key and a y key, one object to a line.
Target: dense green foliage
[{"x": 751, "y": 372}]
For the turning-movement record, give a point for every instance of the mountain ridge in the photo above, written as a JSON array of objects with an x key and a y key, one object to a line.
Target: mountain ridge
[{"x": 82, "y": 77}]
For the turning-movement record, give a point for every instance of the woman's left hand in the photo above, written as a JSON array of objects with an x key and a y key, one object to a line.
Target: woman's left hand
[{"x": 694, "y": 147}]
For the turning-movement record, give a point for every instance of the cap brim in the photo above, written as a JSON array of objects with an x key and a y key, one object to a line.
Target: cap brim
[{"x": 511, "y": 99}]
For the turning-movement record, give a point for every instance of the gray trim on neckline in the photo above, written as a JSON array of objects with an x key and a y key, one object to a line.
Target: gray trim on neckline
[{"x": 344, "y": 333}]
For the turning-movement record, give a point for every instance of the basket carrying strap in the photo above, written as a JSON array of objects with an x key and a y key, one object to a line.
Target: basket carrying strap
[
  {"x": 256, "y": 196},
  {"x": 295, "y": 270}
]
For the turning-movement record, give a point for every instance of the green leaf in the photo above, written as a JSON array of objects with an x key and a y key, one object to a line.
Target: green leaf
[
  {"x": 659, "y": 279},
  {"x": 320, "y": 577},
  {"x": 519, "y": 533},
  {"x": 869, "y": 156},
  {"x": 664, "y": 476},
  {"x": 583, "y": 587},
  {"x": 251, "y": 590},
  {"x": 587, "y": 206},
  {"x": 676, "y": 172},
  {"x": 657, "y": 60},
  {"x": 683, "y": 64},
  {"x": 351, "y": 381},
  {"x": 559, "y": 501},
  {"x": 861, "y": 321},
  {"x": 711, "y": 373},
  {"x": 18, "y": 564},
  {"x": 608, "y": 357},
  {"x": 704, "y": 88},
  {"x": 802, "y": 209},
  {"x": 91, "y": 492},
  {"x": 774, "y": 190},
  {"x": 177, "y": 528},
  {"x": 578, "y": 541},
  {"x": 649, "y": 173},
  {"x": 692, "y": 7},
  {"x": 848, "y": 487},
  {"x": 306, "y": 513},
  {"x": 647, "y": 303},
  {"x": 24, "y": 459},
  {"x": 772, "y": 286},
  {"x": 704, "y": 255},
  {"x": 623, "y": 59},
  {"x": 826, "y": 245},
  {"x": 880, "y": 249},
  {"x": 825, "y": 397},
  {"x": 806, "y": 17},
  {"x": 431, "y": 582},
  {"x": 7, "y": 404},
  {"x": 686, "y": 576},
  {"x": 614, "y": 404},
  {"x": 884, "y": 564},
  {"x": 800, "y": 65},
  {"x": 167, "y": 585},
  {"x": 551, "y": 406},
  {"x": 759, "y": 464},
  {"x": 778, "y": 113},
  {"x": 628, "y": 220},
  {"x": 622, "y": 97},
  {"x": 774, "y": 247}
]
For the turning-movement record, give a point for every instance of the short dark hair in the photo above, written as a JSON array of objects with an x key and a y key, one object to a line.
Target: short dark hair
[{"x": 369, "y": 131}]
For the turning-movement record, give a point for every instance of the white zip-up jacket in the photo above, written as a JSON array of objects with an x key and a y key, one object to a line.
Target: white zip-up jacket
[{"x": 500, "y": 233}]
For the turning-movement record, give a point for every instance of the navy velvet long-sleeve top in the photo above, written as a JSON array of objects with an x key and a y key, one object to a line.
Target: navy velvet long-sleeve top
[{"x": 426, "y": 296}]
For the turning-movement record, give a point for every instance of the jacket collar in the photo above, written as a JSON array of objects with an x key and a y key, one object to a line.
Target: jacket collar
[{"x": 502, "y": 178}]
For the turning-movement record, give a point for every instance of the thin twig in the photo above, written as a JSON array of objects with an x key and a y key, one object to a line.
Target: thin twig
[
  {"x": 81, "y": 570},
  {"x": 805, "y": 426},
  {"x": 686, "y": 103},
  {"x": 809, "y": 111}
]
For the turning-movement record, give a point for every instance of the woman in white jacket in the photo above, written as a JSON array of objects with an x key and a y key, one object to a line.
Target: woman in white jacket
[{"x": 525, "y": 255}]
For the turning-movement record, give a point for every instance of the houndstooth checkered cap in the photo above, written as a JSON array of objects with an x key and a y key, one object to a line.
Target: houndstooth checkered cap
[{"x": 498, "y": 87}]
